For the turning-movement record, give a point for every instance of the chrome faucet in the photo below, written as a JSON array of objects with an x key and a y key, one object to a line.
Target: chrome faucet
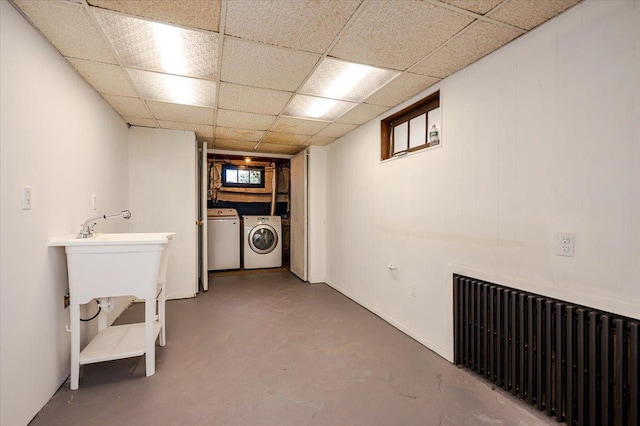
[{"x": 87, "y": 227}]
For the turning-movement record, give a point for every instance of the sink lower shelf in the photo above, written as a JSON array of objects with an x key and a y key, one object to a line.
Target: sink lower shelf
[{"x": 117, "y": 342}]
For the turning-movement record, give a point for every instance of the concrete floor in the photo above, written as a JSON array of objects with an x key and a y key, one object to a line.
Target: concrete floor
[{"x": 266, "y": 349}]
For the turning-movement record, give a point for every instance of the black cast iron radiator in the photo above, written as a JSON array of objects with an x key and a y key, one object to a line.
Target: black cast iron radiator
[{"x": 576, "y": 363}]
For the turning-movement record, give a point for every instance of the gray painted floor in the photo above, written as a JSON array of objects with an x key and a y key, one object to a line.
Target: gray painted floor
[{"x": 267, "y": 349}]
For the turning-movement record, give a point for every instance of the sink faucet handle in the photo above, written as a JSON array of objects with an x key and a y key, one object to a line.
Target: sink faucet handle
[{"x": 87, "y": 230}]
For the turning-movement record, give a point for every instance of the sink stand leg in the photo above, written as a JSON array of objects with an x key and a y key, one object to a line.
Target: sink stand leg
[
  {"x": 74, "y": 313},
  {"x": 102, "y": 321},
  {"x": 150, "y": 335},
  {"x": 162, "y": 317}
]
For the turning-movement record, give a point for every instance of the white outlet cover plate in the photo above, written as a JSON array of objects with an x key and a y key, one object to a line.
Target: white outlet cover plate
[{"x": 565, "y": 244}]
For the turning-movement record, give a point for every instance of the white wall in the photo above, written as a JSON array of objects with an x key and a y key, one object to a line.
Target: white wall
[
  {"x": 163, "y": 198},
  {"x": 60, "y": 138},
  {"x": 317, "y": 220},
  {"x": 540, "y": 137}
]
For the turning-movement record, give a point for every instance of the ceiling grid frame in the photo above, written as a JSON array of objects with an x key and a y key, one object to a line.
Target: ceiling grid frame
[
  {"x": 133, "y": 67},
  {"x": 119, "y": 61},
  {"x": 221, "y": 36},
  {"x": 477, "y": 15},
  {"x": 281, "y": 125},
  {"x": 145, "y": 101},
  {"x": 349, "y": 22}
]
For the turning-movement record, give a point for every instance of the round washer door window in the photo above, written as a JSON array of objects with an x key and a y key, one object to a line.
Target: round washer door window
[{"x": 263, "y": 239}]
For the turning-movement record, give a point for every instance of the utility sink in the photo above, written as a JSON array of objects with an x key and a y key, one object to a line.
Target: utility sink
[{"x": 111, "y": 265}]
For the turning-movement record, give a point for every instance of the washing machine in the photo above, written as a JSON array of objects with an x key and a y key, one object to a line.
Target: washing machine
[
  {"x": 262, "y": 242},
  {"x": 223, "y": 239}
]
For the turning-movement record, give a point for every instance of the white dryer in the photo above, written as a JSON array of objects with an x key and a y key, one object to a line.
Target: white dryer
[
  {"x": 262, "y": 242},
  {"x": 223, "y": 242}
]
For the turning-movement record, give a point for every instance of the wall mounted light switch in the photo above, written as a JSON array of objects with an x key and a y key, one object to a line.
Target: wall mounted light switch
[{"x": 26, "y": 198}]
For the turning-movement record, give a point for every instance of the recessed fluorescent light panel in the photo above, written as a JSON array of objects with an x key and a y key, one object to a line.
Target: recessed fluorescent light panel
[
  {"x": 346, "y": 81},
  {"x": 160, "y": 47},
  {"x": 174, "y": 89},
  {"x": 317, "y": 108}
]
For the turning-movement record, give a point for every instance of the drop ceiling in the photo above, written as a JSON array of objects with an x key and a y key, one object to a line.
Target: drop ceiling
[{"x": 250, "y": 71}]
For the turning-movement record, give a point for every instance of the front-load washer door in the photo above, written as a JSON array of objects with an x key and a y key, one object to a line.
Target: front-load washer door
[{"x": 263, "y": 239}]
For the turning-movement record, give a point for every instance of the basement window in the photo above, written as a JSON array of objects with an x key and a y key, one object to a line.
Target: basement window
[
  {"x": 242, "y": 176},
  {"x": 415, "y": 127}
]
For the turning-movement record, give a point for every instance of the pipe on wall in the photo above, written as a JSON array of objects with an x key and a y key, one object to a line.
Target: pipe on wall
[{"x": 273, "y": 190}]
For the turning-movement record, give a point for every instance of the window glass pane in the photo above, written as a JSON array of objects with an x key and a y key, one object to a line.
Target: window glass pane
[
  {"x": 243, "y": 176},
  {"x": 400, "y": 133},
  {"x": 254, "y": 177},
  {"x": 231, "y": 176},
  {"x": 418, "y": 131}
]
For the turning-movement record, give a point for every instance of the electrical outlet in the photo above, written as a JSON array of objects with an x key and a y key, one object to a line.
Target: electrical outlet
[
  {"x": 413, "y": 288},
  {"x": 565, "y": 244},
  {"x": 93, "y": 202}
]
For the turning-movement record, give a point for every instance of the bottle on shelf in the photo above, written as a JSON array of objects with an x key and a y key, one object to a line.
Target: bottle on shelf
[{"x": 434, "y": 137}]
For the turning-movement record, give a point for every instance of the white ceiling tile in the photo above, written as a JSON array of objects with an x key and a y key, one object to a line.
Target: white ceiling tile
[
  {"x": 260, "y": 65},
  {"x": 141, "y": 122},
  {"x": 125, "y": 106},
  {"x": 319, "y": 140},
  {"x": 173, "y": 88},
  {"x": 397, "y": 33},
  {"x": 70, "y": 29},
  {"x": 233, "y": 145},
  {"x": 347, "y": 81},
  {"x": 318, "y": 108},
  {"x": 203, "y": 14},
  {"x": 362, "y": 113},
  {"x": 239, "y": 134},
  {"x": 181, "y": 113},
  {"x": 244, "y": 120},
  {"x": 105, "y": 78},
  {"x": 298, "y": 126},
  {"x": 478, "y": 6},
  {"x": 252, "y": 99},
  {"x": 527, "y": 14},
  {"x": 160, "y": 47},
  {"x": 284, "y": 138},
  {"x": 476, "y": 41},
  {"x": 335, "y": 130},
  {"x": 308, "y": 25},
  {"x": 201, "y": 130},
  {"x": 401, "y": 89},
  {"x": 270, "y": 148}
]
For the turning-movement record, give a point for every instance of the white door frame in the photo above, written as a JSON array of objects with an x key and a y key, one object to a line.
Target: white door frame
[
  {"x": 299, "y": 247},
  {"x": 204, "y": 192}
]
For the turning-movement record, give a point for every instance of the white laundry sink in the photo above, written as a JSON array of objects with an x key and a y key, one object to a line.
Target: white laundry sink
[{"x": 111, "y": 265}]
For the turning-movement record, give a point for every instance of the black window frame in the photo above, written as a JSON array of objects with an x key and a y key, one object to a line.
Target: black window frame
[{"x": 226, "y": 184}]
